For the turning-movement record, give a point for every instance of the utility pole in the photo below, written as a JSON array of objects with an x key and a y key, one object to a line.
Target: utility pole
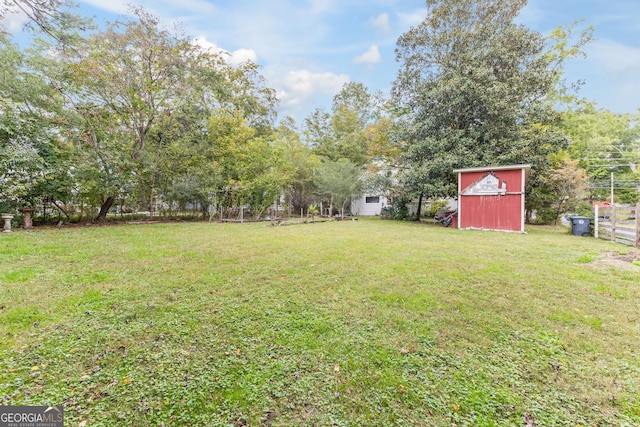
[
  {"x": 613, "y": 213},
  {"x": 611, "y": 188}
]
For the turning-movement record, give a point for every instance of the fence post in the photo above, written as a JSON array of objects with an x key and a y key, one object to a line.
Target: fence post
[
  {"x": 638, "y": 224},
  {"x": 596, "y": 222},
  {"x": 613, "y": 222}
]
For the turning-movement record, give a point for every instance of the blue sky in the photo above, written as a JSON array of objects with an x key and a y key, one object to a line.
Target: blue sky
[{"x": 309, "y": 48}]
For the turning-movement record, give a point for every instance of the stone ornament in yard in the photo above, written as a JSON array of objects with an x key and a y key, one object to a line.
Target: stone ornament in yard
[
  {"x": 7, "y": 222},
  {"x": 28, "y": 220}
]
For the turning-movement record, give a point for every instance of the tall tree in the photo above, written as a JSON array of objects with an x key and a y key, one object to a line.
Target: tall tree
[
  {"x": 473, "y": 85},
  {"x": 300, "y": 162},
  {"x": 129, "y": 83},
  {"x": 125, "y": 80},
  {"x": 251, "y": 168},
  {"x": 356, "y": 97},
  {"x": 342, "y": 134}
]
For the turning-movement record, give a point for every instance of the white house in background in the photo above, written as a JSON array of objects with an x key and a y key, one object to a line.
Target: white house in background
[
  {"x": 368, "y": 205},
  {"x": 374, "y": 200}
]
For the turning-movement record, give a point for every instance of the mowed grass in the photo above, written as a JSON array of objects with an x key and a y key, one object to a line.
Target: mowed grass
[{"x": 359, "y": 323}]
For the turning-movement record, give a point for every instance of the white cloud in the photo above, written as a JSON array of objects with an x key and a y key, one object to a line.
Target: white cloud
[
  {"x": 234, "y": 58},
  {"x": 381, "y": 22},
  {"x": 306, "y": 82},
  {"x": 300, "y": 87},
  {"x": 243, "y": 55},
  {"x": 372, "y": 56},
  {"x": 203, "y": 42},
  {"x": 13, "y": 21}
]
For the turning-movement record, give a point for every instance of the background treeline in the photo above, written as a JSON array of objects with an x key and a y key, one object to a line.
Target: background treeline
[{"x": 136, "y": 117}]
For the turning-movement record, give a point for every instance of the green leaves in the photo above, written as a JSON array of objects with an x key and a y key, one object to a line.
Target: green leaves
[
  {"x": 340, "y": 181},
  {"x": 32, "y": 157},
  {"x": 129, "y": 106},
  {"x": 350, "y": 131}
]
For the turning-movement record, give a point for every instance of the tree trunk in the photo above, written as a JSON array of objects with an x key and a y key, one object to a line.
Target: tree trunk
[
  {"x": 106, "y": 205},
  {"x": 61, "y": 210},
  {"x": 151, "y": 203},
  {"x": 419, "y": 210},
  {"x": 210, "y": 206},
  {"x": 558, "y": 211}
]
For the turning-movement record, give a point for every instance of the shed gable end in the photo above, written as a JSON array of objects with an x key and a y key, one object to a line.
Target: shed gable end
[{"x": 488, "y": 185}]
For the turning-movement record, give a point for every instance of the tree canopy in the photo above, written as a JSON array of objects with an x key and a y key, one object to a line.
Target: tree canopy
[
  {"x": 473, "y": 85},
  {"x": 137, "y": 115}
]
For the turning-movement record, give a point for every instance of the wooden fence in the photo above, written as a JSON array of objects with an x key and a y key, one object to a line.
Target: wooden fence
[{"x": 619, "y": 223}]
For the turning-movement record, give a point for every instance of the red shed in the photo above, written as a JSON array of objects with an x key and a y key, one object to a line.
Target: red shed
[{"x": 492, "y": 198}]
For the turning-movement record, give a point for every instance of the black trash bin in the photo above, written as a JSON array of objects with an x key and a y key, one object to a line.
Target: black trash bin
[{"x": 580, "y": 226}]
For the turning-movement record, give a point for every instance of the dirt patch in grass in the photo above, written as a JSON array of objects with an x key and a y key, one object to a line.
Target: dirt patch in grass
[
  {"x": 617, "y": 263},
  {"x": 627, "y": 257},
  {"x": 626, "y": 261}
]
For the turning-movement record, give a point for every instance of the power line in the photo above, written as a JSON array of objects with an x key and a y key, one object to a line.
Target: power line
[{"x": 603, "y": 182}]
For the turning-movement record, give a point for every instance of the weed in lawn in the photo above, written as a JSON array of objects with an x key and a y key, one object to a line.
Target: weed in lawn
[{"x": 585, "y": 258}]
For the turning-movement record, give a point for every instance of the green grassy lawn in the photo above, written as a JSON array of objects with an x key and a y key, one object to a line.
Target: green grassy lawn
[{"x": 340, "y": 323}]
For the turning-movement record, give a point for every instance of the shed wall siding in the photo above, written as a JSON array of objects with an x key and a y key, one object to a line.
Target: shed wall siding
[{"x": 493, "y": 212}]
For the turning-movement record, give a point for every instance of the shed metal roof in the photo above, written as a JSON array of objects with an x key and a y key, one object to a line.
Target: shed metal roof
[
  {"x": 492, "y": 168},
  {"x": 527, "y": 169}
]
